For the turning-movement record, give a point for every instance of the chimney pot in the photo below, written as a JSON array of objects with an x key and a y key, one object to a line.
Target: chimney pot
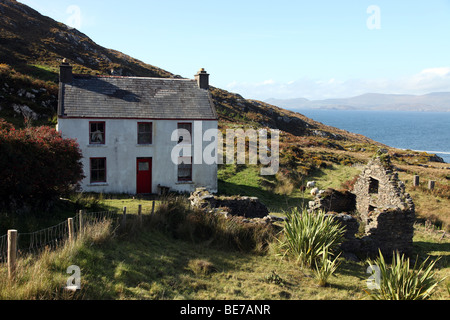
[{"x": 202, "y": 78}]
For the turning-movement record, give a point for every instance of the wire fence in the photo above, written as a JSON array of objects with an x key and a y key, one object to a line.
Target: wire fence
[{"x": 54, "y": 236}]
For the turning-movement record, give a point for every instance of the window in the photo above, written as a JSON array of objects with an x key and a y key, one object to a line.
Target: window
[
  {"x": 145, "y": 130},
  {"x": 373, "y": 185},
  {"x": 96, "y": 132},
  {"x": 185, "y": 132},
  {"x": 185, "y": 169},
  {"x": 98, "y": 170}
]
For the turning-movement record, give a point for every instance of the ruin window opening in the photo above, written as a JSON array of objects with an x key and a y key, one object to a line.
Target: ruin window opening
[{"x": 373, "y": 186}]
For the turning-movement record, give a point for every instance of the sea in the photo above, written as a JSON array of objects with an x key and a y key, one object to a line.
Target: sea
[{"x": 419, "y": 131}]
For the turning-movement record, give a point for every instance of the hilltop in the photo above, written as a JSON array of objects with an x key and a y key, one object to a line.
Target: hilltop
[{"x": 32, "y": 46}]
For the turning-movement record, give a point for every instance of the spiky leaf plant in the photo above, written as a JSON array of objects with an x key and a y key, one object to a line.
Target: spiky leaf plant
[{"x": 399, "y": 281}]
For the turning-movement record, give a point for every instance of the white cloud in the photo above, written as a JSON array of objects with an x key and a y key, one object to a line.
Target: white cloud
[{"x": 425, "y": 81}]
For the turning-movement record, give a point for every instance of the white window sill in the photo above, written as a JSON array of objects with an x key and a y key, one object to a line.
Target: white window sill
[
  {"x": 184, "y": 182},
  {"x": 98, "y": 184},
  {"x": 144, "y": 145},
  {"x": 96, "y": 146}
]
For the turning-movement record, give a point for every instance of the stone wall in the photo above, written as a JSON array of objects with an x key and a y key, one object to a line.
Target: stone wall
[
  {"x": 385, "y": 210},
  {"x": 248, "y": 207},
  {"x": 389, "y": 230},
  {"x": 335, "y": 201}
]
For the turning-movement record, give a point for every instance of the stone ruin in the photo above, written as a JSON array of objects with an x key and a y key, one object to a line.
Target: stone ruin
[
  {"x": 249, "y": 209},
  {"x": 386, "y": 211}
]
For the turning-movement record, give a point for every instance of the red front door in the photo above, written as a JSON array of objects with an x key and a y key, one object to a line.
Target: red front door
[{"x": 144, "y": 175}]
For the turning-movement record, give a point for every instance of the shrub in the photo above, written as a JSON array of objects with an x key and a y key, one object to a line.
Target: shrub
[
  {"x": 37, "y": 166},
  {"x": 400, "y": 282},
  {"x": 308, "y": 234}
]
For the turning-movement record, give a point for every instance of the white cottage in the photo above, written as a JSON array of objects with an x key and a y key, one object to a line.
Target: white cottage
[{"x": 125, "y": 126}]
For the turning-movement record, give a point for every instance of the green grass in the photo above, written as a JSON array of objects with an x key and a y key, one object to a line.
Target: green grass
[
  {"x": 146, "y": 263},
  {"x": 150, "y": 263},
  {"x": 246, "y": 180}
]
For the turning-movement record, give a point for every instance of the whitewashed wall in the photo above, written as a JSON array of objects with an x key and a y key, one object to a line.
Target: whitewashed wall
[{"x": 121, "y": 150}]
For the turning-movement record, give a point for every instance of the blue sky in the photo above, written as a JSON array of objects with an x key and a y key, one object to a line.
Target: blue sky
[{"x": 279, "y": 49}]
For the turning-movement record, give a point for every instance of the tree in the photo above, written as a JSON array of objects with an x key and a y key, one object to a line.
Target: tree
[{"x": 37, "y": 165}]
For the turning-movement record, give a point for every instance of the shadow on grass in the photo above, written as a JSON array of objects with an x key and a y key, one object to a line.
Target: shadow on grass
[
  {"x": 151, "y": 265},
  {"x": 433, "y": 250}
]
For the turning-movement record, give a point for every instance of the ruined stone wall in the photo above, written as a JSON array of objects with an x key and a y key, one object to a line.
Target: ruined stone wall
[
  {"x": 389, "y": 230},
  {"x": 378, "y": 188},
  {"x": 248, "y": 207},
  {"x": 385, "y": 209}
]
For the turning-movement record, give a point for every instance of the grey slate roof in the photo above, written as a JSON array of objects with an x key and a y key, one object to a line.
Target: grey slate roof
[{"x": 136, "y": 97}]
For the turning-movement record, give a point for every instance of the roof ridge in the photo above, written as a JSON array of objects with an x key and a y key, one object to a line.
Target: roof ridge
[{"x": 88, "y": 76}]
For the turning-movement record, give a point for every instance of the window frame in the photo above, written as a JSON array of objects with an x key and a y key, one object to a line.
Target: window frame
[
  {"x": 103, "y": 133},
  {"x": 91, "y": 170},
  {"x": 189, "y": 178},
  {"x": 190, "y": 131},
  {"x": 151, "y": 132}
]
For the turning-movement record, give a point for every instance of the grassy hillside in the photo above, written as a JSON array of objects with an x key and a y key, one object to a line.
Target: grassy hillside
[
  {"x": 154, "y": 265},
  {"x": 150, "y": 263}
]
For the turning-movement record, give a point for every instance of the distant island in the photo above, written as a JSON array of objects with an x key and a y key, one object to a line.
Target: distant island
[{"x": 431, "y": 102}]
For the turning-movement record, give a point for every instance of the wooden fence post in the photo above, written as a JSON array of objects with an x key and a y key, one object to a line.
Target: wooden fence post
[
  {"x": 153, "y": 206},
  {"x": 416, "y": 181},
  {"x": 124, "y": 217},
  {"x": 12, "y": 252},
  {"x": 81, "y": 214},
  {"x": 71, "y": 234},
  {"x": 431, "y": 184},
  {"x": 140, "y": 214}
]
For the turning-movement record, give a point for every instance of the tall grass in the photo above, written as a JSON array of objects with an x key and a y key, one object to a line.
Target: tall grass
[
  {"x": 401, "y": 282},
  {"x": 44, "y": 276},
  {"x": 175, "y": 216},
  {"x": 307, "y": 235}
]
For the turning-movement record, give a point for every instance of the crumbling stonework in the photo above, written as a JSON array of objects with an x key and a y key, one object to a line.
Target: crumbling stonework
[
  {"x": 389, "y": 230},
  {"x": 335, "y": 201},
  {"x": 385, "y": 210},
  {"x": 248, "y": 207},
  {"x": 378, "y": 188}
]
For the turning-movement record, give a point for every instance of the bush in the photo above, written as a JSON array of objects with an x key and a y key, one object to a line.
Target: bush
[
  {"x": 400, "y": 282},
  {"x": 37, "y": 166},
  {"x": 308, "y": 234}
]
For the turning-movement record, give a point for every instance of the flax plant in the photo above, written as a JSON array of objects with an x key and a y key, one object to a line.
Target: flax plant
[
  {"x": 401, "y": 282},
  {"x": 308, "y": 234},
  {"x": 324, "y": 268}
]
